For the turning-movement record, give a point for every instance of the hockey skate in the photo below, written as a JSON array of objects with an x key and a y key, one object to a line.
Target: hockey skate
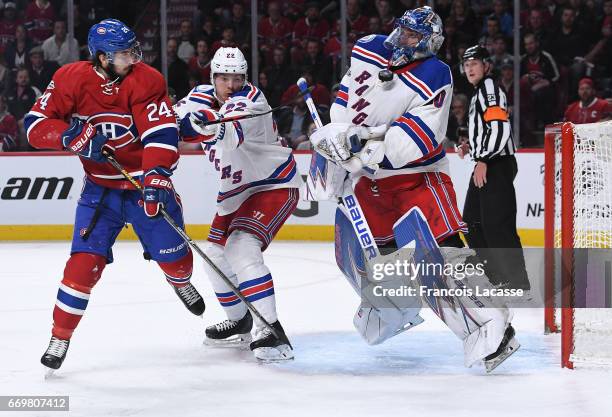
[
  {"x": 507, "y": 347},
  {"x": 268, "y": 348},
  {"x": 230, "y": 333},
  {"x": 191, "y": 298},
  {"x": 55, "y": 354}
]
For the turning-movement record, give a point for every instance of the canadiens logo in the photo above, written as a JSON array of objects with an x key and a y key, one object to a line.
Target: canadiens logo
[{"x": 119, "y": 128}]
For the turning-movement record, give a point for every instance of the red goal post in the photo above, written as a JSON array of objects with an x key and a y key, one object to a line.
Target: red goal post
[{"x": 577, "y": 215}]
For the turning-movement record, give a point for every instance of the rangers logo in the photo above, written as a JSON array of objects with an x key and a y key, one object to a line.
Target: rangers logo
[
  {"x": 438, "y": 100},
  {"x": 119, "y": 128}
]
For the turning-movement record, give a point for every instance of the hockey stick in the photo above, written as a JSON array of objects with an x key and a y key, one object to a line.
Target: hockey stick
[
  {"x": 250, "y": 116},
  {"x": 190, "y": 242},
  {"x": 349, "y": 201}
]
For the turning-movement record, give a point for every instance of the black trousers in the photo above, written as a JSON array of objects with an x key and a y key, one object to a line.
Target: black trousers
[{"x": 490, "y": 213}]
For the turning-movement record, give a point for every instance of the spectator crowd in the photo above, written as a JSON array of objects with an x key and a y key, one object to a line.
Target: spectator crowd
[
  {"x": 565, "y": 62},
  {"x": 34, "y": 43}
]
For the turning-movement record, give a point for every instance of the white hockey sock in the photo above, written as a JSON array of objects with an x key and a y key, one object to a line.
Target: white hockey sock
[
  {"x": 233, "y": 306},
  {"x": 243, "y": 252}
]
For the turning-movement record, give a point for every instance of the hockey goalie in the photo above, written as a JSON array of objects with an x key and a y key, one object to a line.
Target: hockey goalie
[{"x": 382, "y": 154}]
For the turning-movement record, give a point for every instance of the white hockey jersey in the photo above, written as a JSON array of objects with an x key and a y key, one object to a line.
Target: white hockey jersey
[
  {"x": 414, "y": 105},
  {"x": 251, "y": 157}
]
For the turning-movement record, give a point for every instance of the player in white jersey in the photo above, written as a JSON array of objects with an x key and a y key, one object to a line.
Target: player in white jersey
[
  {"x": 258, "y": 192},
  {"x": 388, "y": 123}
]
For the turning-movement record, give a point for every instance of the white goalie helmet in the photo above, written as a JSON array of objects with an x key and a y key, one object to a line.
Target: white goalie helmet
[{"x": 228, "y": 61}]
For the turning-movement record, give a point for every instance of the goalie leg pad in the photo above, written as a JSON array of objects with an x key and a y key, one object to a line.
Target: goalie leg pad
[
  {"x": 478, "y": 321},
  {"x": 349, "y": 255},
  {"x": 378, "y": 317},
  {"x": 82, "y": 272},
  {"x": 377, "y": 325}
]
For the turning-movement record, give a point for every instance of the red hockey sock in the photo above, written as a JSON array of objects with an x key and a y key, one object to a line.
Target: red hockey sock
[
  {"x": 82, "y": 272},
  {"x": 178, "y": 273}
]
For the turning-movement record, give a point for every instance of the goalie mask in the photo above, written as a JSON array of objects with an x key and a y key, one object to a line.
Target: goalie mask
[
  {"x": 427, "y": 25},
  {"x": 228, "y": 61}
]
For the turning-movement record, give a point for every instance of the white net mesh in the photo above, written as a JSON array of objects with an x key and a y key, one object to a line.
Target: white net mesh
[
  {"x": 592, "y": 223},
  {"x": 593, "y": 185},
  {"x": 592, "y": 336}
]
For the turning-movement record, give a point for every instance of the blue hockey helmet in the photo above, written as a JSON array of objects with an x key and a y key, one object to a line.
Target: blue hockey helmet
[
  {"x": 422, "y": 21},
  {"x": 116, "y": 40}
]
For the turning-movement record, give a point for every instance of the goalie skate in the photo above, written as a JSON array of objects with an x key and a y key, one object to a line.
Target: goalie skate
[
  {"x": 230, "y": 333},
  {"x": 269, "y": 348},
  {"x": 506, "y": 348}
]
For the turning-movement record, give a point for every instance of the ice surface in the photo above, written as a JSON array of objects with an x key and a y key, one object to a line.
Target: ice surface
[{"x": 138, "y": 352}]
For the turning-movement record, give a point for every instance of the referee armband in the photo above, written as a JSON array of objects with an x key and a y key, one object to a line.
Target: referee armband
[{"x": 495, "y": 113}]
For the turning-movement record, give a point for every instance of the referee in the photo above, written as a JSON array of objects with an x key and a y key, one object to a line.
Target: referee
[{"x": 490, "y": 204}]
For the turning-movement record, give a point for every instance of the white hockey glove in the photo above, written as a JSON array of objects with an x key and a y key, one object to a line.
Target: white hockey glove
[
  {"x": 330, "y": 141},
  {"x": 341, "y": 143},
  {"x": 211, "y": 133},
  {"x": 370, "y": 156}
]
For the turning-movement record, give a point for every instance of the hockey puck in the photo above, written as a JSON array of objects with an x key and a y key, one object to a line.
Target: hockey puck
[{"x": 385, "y": 75}]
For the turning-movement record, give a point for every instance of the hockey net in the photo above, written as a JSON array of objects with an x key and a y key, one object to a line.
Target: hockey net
[{"x": 578, "y": 216}]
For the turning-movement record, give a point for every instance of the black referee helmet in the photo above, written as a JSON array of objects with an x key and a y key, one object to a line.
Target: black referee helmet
[{"x": 476, "y": 52}]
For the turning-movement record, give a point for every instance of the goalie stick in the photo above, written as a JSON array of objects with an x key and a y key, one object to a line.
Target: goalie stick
[
  {"x": 348, "y": 199},
  {"x": 190, "y": 242}
]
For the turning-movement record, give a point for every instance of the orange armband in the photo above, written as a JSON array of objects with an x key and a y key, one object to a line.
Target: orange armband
[{"x": 495, "y": 113}]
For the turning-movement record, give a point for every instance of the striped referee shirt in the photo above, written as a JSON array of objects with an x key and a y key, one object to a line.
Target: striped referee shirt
[{"x": 488, "y": 123}]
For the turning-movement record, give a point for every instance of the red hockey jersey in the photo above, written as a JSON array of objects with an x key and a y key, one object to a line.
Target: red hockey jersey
[
  {"x": 7, "y": 32},
  {"x": 596, "y": 110},
  {"x": 8, "y": 131},
  {"x": 136, "y": 116},
  {"x": 39, "y": 21}
]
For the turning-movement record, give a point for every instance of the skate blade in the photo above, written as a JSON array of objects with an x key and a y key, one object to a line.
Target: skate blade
[
  {"x": 237, "y": 341},
  {"x": 49, "y": 373},
  {"x": 274, "y": 354},
  {"x": 513, "y": 346}
]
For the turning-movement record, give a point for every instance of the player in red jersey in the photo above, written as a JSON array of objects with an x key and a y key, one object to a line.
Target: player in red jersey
[{"x": 121, "y": 103}]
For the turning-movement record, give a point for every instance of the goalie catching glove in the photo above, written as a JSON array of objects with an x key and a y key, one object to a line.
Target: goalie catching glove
[{"x": 342, "y": 144}]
